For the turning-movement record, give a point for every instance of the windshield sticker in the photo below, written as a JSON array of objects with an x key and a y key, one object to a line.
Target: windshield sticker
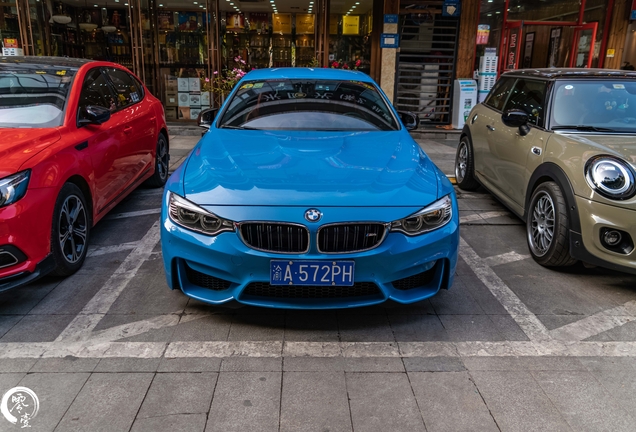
[
  {"x": 134, "y": 97},
  {"x": 246, "y": 86},
  {"x": 297, "y": 95},
  {"x": 258, "y": 85},
  {"x": 619, "y": 86},
  {"x": 61, "y": 72},
  {"x": 40, "y": 72}
]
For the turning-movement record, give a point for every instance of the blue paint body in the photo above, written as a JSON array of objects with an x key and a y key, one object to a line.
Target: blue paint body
[{"x": 255, "y": 175}]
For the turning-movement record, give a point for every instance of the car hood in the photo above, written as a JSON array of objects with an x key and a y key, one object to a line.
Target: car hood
[
  {"x": 18, "y": 145},
  {"x": 622, "y": 146},
  {"x": 353, "y": 169}
]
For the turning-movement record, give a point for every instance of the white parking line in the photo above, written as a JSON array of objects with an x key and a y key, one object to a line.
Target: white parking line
[
  {"x": 483, "y": 216},
  {"x": 597, "y": 323},
  {"x": 529, "y": 323},
  {"x": 504, "y": 258},
  {"x": 133, "y": 214},
  {"x": 104, "y": 250},
  {"x": 84, "y": 323}
]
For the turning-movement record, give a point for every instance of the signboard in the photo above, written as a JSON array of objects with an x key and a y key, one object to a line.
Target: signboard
[
  {"x": 259, "y": 21},
  {"x": 10, "y": 43},
  {"x": 553, "y": 48},
  {"x": 392, "y": 18},
  {"x": 188, "y": 21},
  {"x": 527, "y": 51},
  {"x": 390, "y": 40},
  {"x": 451, "y": 8},
  {"x": 12, "y": 52},
  {"x": 611, "y": 52},
  {"x": 282, "y": 23},
  {"x": 165, "y": 20},
  {"x": 633, "y": 14},
  {"x": 483, "y": 32},
  {"x": 305, "y": 23},
  {"x": 350, "y": 25},
  {"x": 513, "y": 48},
  {"x": 235, "y": 21}
]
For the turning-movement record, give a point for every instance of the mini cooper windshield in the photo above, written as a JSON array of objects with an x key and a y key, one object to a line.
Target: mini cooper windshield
[
  {"x": 313, "y": 105},
  {"x": 595, "y": 106},
  {"x": 33, "y": 96}
]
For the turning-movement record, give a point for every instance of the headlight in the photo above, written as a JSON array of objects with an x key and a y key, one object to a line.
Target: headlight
[
  {"x": 428, "y": 219},
  {"x": 191, "y": 216},
  {"x": 610, "y": 177},
  {"x": 14, "y": 187}
]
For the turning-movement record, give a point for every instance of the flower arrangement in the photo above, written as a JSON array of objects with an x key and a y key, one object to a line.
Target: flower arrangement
[
  {"x": 224, "y": 81},
  {"x": 339, "y": 64}
]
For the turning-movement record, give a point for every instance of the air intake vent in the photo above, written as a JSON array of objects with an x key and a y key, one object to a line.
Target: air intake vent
[
  {"x": 275, "y": 237},
  {"x": 350, "y": 237}
]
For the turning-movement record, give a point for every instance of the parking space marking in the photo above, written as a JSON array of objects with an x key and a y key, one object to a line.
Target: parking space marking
[
  {"x": 260, "y": 349},
  {"x": 483, "y": 216},
  {"x": 505, "y": 258},
  {"x": 133, "y": 214},
  {"x": 529, "y": 323},
  {"x": 104, "y": 250},
  {"x": 84, "y": 323},
  {"x": 597, "y": 323},
  {"x": 135, "y": 328}
]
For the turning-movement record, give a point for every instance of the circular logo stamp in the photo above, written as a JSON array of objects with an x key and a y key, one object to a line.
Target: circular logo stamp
[
  {"x": 20, "y": 405},
  {"x": 313, "y": 215}
]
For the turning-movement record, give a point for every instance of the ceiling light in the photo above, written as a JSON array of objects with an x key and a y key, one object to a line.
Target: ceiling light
[
  {"x": 160, "y": 5},
  {"x": 353, "y": 7},
  {"x": 195, "y": 3},
  {"x": 357, "y": 2}
]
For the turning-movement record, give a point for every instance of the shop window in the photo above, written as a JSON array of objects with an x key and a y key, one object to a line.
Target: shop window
[{"x": 350, "y": 28}]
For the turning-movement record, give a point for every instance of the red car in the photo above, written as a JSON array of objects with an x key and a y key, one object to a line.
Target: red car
[{"x": 76, "y": 137}]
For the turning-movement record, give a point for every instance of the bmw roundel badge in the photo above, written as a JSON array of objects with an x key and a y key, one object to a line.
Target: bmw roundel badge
[{"x": 313, "y": 215}]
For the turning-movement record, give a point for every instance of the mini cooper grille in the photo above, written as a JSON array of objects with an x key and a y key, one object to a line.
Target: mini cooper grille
[
  {"x": 276, "y": 237},
  {"x": 263, "y": 289},
  {"x": 206, "y": 281},
  {"x": 351, "y": 237},
  {"x": 415, "y": 281}
]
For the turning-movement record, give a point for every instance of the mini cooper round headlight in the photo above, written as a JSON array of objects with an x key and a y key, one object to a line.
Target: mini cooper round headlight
[{"x": 610, "y": 177}]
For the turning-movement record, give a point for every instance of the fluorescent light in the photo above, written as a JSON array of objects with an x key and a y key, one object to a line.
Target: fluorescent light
[{"x": 195, "y": 3}]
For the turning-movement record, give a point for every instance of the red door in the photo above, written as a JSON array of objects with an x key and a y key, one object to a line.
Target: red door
[{"x": 583, "y": 45}]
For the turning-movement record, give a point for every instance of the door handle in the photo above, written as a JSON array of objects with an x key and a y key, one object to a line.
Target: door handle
[
  {"x": 128, "y": 129},
  {"x": 490, "y": 128}
]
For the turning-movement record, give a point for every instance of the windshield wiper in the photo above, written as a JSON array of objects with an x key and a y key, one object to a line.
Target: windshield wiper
[
  {"x": 238, "y": 127},
  {"x": 585, "y": 128}
]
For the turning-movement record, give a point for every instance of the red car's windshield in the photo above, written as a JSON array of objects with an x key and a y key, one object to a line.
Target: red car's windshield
[{"x": 33, "y": 96}]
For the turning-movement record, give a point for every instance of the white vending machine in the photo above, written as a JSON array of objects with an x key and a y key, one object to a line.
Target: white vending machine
[{"x": 464, "y": 99}]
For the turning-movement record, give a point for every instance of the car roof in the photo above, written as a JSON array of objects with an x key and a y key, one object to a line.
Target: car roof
[
  {"x": 65, "y": 62},
  {"x": 307, "y": 73},
  {"x": 556, "y": 73}
]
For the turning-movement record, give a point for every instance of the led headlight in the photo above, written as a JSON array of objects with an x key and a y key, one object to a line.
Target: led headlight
[
  {"x": 191, "y": 216},
  {"x": 428, "y": 219},
  {"x": 610, "y": 177},
  {"x": 14, "y": 187}
]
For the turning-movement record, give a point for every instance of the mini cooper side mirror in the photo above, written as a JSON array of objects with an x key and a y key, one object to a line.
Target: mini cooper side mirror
[
  {"x": 410, "y": 120},
  {"x": 93, "y": 114},
  {"x": 517, "y": 118},
  {"x": 206, "y": 117}
]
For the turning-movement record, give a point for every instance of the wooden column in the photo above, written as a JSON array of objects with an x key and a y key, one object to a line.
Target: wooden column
[
  {"x": 469, "y": 19},
  {"x": 617, "y": 33}
]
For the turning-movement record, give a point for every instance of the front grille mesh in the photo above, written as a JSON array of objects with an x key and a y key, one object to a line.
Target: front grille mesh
[
  {"x": 350, "y": 237},
  {"x": 276, "y": 237},
  {"x": 415, "y": 281},
  {"x": 263, "y": 289},
  {"x": 206, "y": 281}
]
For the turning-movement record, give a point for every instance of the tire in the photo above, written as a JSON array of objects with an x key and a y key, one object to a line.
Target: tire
[
  {"x": 69, "y": 246},
  {"x": 465, "y": 166},
  {"x": 548, "y": 227},
  {"x": 162, "y": 157}
]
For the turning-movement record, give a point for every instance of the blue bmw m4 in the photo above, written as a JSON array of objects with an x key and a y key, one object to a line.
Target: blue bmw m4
[{"x": 308, "y": 192}]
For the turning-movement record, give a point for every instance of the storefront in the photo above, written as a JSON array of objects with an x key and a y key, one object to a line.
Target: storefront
[{"x": 182, "y": 48}]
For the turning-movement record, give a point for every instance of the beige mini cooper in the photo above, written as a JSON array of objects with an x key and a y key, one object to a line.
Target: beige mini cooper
[{"x": 558, "y": 148}]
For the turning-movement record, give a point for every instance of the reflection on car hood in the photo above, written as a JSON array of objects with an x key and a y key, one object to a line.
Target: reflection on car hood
[
  {"x": 623, "y": 146},
  {"x": 246, "y": 167},
  {"x": 18, "y": 145}
]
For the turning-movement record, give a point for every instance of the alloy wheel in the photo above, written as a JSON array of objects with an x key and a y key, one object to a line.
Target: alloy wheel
[
  {"x": 73, "y": 229},
  {"x": 162, "y": 159},
  {"x": 541, "y": 231}
]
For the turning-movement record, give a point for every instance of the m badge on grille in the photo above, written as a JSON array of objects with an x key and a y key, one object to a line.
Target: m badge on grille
[{"x": 313, "y": 215}]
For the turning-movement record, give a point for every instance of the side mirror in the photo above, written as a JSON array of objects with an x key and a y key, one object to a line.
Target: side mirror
[
  {"x": 93, "y": 114},
  {"x": 411, "y": 121},
  {"x": 517, "y": 118},
  {"x": 206, "y": 117}
]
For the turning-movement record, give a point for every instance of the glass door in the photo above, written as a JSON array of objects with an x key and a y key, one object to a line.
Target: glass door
[{"x": 583, "y": 45}]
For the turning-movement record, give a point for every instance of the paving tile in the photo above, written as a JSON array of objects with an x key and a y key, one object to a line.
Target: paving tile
[
  {"x": 7, "y": 322},
  {"x": 311, "y": 327},
  {"x": 609, "y": 363},
  {"x": 209, "y": 328},
  {"x": 38, "y": 328},
  {"x": 112, "y": 320},
  {"x": 523, "y": 363},
  {"x": 471, "y": 328},
  {"x": 314, "y": 401},
  {"x": 439, "y": 394},
  {"x": 584, "y": 403},
  {"x": 620, "y": 385},
  {"x": 107, "y": 402},
  {"x": 245, "y": 401},
  {"x": 111, "y": 232},
  {"x": 423, "y": 307},
  {"x": 364, "y": 328},
  {"x": 257, "y": 328},
  {"x": 65, "y": 364},
  {"x": 373, "y": 364},
  {"x": 189, "y": 364},
  {"x": 175, "y": 422},
  {"x": 313, "y": 364},
  {"x": 508, "y": 328},
  {"x": 56, "y": 392},
  {"x": 252, "y": 364},
  {"x": 148, "y": 294},
  {"x": 625, "y": 333},
  {"x": 8, "y": 381},
  {"x": 418, "y": 328},
  {"x": 383, "y": 402},
  {"x": 16, "y": 365},
  {"x": 456, "y": 301},
  {"x": 127, "y": 365},
  {"x": 433, "y": 364},
  {"x": 482, "y": 295},
  {"x": 517, "y": 402},
  {"x": 179, "y": 393},
  {"x": 21, "y": 301}
]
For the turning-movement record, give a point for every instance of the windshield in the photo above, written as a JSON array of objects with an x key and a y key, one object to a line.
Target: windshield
[
  {"x": 595, "y": 105},
  {"x": 33, "y": 96},
  {"x": 308, "y": 105}
]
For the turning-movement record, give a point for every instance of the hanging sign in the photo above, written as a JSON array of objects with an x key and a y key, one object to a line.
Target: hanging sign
[
  {"x": 483, "y": 31},
  {"x": 350, "y": 25},
  {"x": 235, "y": 21},
  {"x": 451, "y": 8},
  {"x": 282, "y": 23},
  {"x": 305, "y": 24},
  {"x": 513, "y": 49}
]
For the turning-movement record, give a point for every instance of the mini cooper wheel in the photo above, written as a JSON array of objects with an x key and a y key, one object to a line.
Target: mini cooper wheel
[
  {"x": 162, "y": 158},
  {"x": 70, "y": 230},
  {"x": 547, "y": 227},
  {"x": 465, "y": 166}
]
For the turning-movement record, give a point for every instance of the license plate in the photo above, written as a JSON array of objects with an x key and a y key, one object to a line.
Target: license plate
[{"x": 309, "y": 272}]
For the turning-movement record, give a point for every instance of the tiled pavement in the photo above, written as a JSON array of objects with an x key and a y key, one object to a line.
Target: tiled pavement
[{"x": 512, "y": 346}]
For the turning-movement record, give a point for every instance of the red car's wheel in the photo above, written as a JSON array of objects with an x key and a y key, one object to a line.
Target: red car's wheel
[
  {"x": 70, "y": 230},
  {"x": 162, "y": 158}
]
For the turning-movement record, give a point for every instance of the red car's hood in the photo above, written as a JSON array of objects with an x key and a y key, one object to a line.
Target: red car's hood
[{"x": 20, "y": 144}]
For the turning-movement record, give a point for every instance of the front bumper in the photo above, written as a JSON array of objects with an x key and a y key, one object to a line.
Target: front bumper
[
  {"x": 586, "y": 246},
  {"x": 222, "y": 269}
]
